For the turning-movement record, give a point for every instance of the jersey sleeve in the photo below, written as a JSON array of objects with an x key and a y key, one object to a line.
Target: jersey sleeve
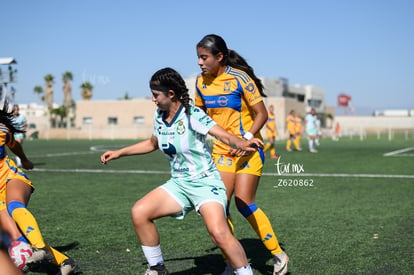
[
  {"x": 251, "y": 92},
  {"x": 200, "y": 121},
  {"x": 198, "y": 100}
]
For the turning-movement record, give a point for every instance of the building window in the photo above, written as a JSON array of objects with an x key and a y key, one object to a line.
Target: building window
[
  {"x": 314, "y": 103},
  {"x": 138, "y": 120},
  {"x": 112, "y": 120},
  {"x": 87, "y": 120}
]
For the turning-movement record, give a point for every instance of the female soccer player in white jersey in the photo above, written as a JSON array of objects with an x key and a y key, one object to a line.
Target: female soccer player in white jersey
[
  {"x": 180, "y": 131},
  {"x": 232, "y": 95}
]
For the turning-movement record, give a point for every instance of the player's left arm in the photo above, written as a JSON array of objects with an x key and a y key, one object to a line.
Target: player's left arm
[
  {"x": 17, "y": 149},
  {"x": 234, "y": 141},
  {"x": 260, "y": 117}
]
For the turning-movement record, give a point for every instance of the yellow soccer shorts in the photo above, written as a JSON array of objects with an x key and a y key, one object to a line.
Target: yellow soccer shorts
[
  {"x": 9, "y": 171},
  {"x": 251, "y": 164}
]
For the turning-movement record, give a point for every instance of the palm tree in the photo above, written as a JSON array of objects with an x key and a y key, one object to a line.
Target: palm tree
[
  {"x": 49, "y": 90},
  {"x": 67, "y": 78},
  {"x": 39, "y": 91},
  {"x": 87, "y": 88}
]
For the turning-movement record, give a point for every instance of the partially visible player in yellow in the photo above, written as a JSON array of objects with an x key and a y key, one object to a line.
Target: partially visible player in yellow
[
  {"x": 15, "y": 192},
  {"x": 298, "y": 132},
  {"x": 291, "y": 127},
  {"x": 271, "y": 133}
]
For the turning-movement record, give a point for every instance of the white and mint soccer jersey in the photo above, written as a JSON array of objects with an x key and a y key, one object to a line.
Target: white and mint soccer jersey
[
  {"x": 183, "y": 141},
  {"x": 311, "y": 129}
]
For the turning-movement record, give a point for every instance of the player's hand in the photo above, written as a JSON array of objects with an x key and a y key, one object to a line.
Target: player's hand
[{"x": 109, "y": 155}]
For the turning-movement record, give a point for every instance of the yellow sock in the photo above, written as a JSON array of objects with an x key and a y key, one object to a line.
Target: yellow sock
[
  {"x": 273, "y": 151},
  {"x": 288, "y": 144},
  {"x": 261, "y": 224},
  {"x": 59, "y": 257},
  {"x": 28, "y": 225},
  {"x": 267, "y": 146}
]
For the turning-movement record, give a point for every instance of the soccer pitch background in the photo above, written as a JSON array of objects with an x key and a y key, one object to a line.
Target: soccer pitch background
[{"x": 347, "y": 209}]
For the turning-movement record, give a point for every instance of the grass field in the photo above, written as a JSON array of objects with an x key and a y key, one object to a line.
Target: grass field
[{"x": 356, "y": 218}]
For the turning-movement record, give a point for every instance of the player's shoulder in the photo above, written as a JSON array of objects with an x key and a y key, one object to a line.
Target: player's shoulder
[{"x": 238, "y": 74}]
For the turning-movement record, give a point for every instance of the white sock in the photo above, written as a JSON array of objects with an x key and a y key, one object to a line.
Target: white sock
[
  {"x": 310, "y": 144},
  {"x": 244, "y": 270},
  {"x": 153, "y": 254}
]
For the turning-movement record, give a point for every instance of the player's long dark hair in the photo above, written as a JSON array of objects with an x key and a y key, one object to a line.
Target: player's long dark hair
[
  {"x": 216, "y": 44},
  {"x": 169, "y": 79},
  {"x": 6, "y": 118}
]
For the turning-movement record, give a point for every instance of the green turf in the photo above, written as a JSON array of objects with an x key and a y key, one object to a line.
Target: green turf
[{"x": 327, "y": 228}]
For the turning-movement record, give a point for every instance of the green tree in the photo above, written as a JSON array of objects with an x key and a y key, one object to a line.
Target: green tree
[
  {"x": 87, "y": 88},
  {"x": 39, "y": 91},
  {"x": 49, "y": 81}
]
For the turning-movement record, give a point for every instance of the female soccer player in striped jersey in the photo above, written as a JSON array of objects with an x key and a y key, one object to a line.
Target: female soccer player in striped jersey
[
  {"x": 180, "y": 130},
  {"x": 15, "y": 192},
  {"x": 230, "y": 92}
]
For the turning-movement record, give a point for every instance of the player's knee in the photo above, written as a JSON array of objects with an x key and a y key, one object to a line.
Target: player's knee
[
  {"x": 220, "y": 236},
  {"x": 138, "y": 214}
]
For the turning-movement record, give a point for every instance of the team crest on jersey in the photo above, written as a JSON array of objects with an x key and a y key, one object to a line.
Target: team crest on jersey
[
  {"x": 250, "y": 87},
  {"x": 227, "y": 86},
  {"x": 180, "y": 127}
]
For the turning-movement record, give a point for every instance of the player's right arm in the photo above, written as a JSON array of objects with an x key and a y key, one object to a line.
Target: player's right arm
[{"x": 140, "y": 148}]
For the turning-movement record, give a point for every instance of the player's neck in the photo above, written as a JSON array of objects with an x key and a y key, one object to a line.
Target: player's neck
[{"x": 170, "y": 114}]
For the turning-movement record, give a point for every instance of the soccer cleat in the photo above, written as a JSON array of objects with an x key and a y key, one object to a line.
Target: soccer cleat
[
  {"x": 228, "y": 270},
  {"x": 313, "y": 150},
  {"x": 274, "y": 157},
  {"x": 288, "y": 149},
  {"x": 40, "y": 255},
  {"x": 158, "y": 269},
  {"x": 69, "y": 266},
  {"x": 280, "y": 266}
]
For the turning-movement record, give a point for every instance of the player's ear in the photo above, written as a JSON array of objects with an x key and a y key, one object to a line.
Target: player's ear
[{"x": 171, "y": 94}]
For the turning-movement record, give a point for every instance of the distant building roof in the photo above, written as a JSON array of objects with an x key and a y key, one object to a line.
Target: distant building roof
[{"x": 7, "y": 60}]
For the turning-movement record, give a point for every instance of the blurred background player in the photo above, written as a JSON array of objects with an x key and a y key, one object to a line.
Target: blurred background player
[
  {"x": 271, "y": 133},
  {"x": 298, "y": 132},
  {"x": 20, "y": 122},
  {"x": 337, "y": 132},
  {"x": 291, "y": 127},
  {"x": 311, "y": 130},
  {"x": 318, "y": 130}
]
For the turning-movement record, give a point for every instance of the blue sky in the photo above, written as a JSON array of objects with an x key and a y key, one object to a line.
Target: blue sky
[{"x": 364, "y": 48}]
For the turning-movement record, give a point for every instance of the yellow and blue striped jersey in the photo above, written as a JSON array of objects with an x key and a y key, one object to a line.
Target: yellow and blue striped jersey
[{"x": 228, "y": 99}]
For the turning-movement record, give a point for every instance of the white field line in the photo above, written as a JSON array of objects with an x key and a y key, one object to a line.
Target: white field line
[
  {"x": 398, "y": 152},
  {"x": 109, "y": 171}
]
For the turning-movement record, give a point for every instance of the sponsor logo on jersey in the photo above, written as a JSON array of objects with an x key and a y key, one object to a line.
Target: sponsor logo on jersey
[{"x": 222, "y": 101}]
